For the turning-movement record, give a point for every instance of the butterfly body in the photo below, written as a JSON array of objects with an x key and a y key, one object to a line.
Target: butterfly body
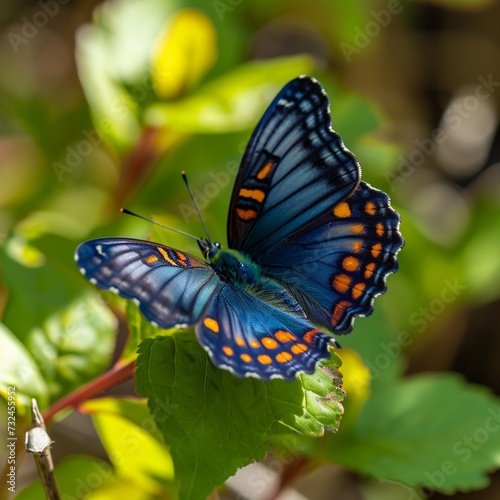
[{"x": 310, "y": 246}]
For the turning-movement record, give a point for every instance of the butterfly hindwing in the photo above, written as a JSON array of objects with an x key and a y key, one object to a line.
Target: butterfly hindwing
[
  {"x": 295, "y": 166},
  {"x": 172, "y": 288},
  {"x": 338, "y": 264},
  {"x": 252, "y": 338}
]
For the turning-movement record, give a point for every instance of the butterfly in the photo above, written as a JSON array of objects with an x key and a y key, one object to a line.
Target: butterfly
[{"x": 310, "y": 246}]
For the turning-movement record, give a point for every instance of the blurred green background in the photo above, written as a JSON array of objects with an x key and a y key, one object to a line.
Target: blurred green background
[{"x": 103, "y": 104}]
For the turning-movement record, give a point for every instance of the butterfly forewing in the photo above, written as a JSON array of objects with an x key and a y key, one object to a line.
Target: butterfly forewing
[
  {"x": 295, "y": 166},
  {"x": 172, "y": 288}
]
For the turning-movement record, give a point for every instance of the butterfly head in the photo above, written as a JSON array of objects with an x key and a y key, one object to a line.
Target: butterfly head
[{"x": 209, "y": 249}]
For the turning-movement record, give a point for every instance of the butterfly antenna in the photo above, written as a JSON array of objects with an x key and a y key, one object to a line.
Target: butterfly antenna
[
  {"x": 128, "y": 212},
  {"x": 184, "y": 177}
]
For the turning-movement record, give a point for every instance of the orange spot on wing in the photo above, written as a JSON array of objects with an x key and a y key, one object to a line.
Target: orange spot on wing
[
  {"x": 299, "y": 348},
  {"x": 240, "y": 341},
  {"x": 254, "y": 343},
  {"x": 357, "y": 246},
  {"x": 370, "y": 208},
  {"x": 151, "y": 259},
  {"x": 357, "y": 228},
  {"x": 342, "y": 210},
  {"x": 264, "y": 359},
  {"x": 255, "y": 194},
  {"x": 246, "y": 358},
  {"x": 357, "y": 290},
  {"x": 376, "y": 249},
  {"x": 211, "y": 324},
  {"x": 246, "y": 214},
  {"x": 350, "y": 263},
  {"x": 165, "y": 255},
  {"x": 341, "y": 283},
  {"x": 269, "y": 343},
  {"x": 339, "y": 311},
  {"x": 182, "y": 258},
  {"x": 283, "y": 336},
  {"x": 308, "y": 337},
  {"x": 264, "y": 171},
  {"x": 283, "y": 357},
  {"x": 227, "y": 350},
  {"x": 369, "y": 270},
  {"x": 380, "y": 229}
]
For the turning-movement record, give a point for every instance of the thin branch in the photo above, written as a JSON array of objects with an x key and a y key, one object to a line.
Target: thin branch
[
  {"x": 38, "y": 442},
  {"x": 116, "y": 375}
]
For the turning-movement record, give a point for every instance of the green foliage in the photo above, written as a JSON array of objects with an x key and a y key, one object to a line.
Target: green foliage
[
  {"x": 18, "y": 369},
  {"x": 427, "y": 431},
  {"x": 198, "y": 424},
  {"x": 61, "y": 340},
  {"x": 76, "y": 476},
  {"x": 136, "y": 450},
  {"x": 210, "y": 418}
]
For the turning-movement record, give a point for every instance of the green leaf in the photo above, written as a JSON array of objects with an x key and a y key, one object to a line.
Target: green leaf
[
  {"x": 135, "y": 447},
  {"x": 232, "y": 102},
  {"x": 139, "y": 329},
  {"x": 76, "y": 477},
  {"x": 116, "y": 50},
  {"x": 433, "y": 431},
  {"x": 19, "y": 370},
  {"x": 215, "y": 422},
  {"x": 69, "y": 335},
  {"x": 380, "y": 349},
  {"x": 34, "y": 292}
]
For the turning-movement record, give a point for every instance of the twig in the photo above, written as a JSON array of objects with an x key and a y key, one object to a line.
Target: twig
[
  {"x": 116, "y": 375},
  {"x": 38, "y": 442}
]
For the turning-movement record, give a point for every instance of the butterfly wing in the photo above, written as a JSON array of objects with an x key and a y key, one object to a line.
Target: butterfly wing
[
  {"x": 171, "y": 288},
  {"x": 294, "y": 168},
  {"x": 250, "y": 337},
  {"x": 299, "y": 210},
  {"x": 337, "y": 264}
]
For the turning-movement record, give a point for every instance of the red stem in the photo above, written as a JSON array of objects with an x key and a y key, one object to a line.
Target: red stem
[{"x": 116, "y": 375}]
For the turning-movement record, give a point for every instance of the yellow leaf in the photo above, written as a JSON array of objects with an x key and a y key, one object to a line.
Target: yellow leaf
[
  {"x": 185, "y": 51},
  {"x": 356, "y": 382}
]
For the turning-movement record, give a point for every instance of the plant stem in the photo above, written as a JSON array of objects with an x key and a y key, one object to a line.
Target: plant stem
[{"x": 116, "y": 375}]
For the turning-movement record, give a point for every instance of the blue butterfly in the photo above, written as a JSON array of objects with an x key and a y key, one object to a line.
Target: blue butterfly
[{"x": 310, "y": 246}]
